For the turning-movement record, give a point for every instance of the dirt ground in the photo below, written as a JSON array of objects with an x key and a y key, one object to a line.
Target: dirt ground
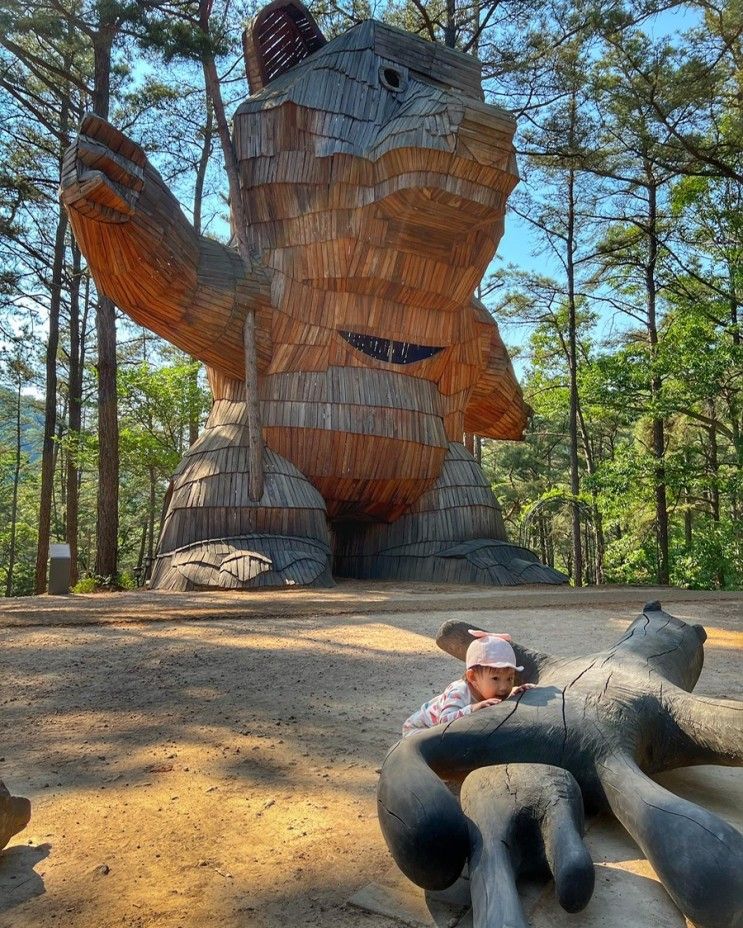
[{"x": 193, "y": 772}]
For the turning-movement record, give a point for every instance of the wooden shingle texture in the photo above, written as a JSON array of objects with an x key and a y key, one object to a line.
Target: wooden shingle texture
[{"x": 375, "y": 179}]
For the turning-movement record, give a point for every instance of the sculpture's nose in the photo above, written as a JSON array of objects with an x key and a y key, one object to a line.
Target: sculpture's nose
[{"x": 485, "y": 135}]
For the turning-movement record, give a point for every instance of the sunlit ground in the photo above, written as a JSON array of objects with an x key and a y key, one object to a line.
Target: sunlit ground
[{"x": 202, "y": 773}]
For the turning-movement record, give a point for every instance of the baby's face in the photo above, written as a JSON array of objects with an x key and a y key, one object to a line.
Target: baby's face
[{"x": 494, "y": 682}]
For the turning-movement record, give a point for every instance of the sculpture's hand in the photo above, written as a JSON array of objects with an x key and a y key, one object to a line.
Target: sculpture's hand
[
  {"x": 522, "y": 689},
  {"x": 483, "y": 704},
  {"x": 103, "y": 172}
]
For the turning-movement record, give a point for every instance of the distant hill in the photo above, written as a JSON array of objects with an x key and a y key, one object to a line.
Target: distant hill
[{"x": 32, "y": 423}]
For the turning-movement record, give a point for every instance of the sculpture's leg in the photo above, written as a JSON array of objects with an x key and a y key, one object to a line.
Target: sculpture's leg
[
  {"x": 421, "y": 820},
  {"x": 697, "y": 856},
  {"x": 215, "y": 536},
  {"x": 15, "y": 814},
  {"x": 495, "y": 899},
  {"x": 454, "y": 638},
  {"x": 707, "y": 730},
  {"x": 524, "y": 818},
  {"x": 454, "y": 533}
]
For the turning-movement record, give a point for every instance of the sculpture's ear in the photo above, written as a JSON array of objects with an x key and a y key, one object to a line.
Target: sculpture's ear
[{"x": 277, "y": 38}]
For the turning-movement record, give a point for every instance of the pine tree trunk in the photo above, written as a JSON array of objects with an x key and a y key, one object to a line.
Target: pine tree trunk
[
  {"x": 198, "y": 197},
  {"x": 16, "y": 480},
  {"x": 573, "y": 368},
  {"x": 108, "y": 438},
  {"x": 75, "y": 416},
  {"x": 108, "y": 414},
  {"x": 734, "y": 404},
  {"x": 450, "y": 30},
  {"x": 151, "y": 516},
  {"x": 50, "y": 406},
  {"x": 714, "y": 466},
  {"x": 659, "y": 443}
]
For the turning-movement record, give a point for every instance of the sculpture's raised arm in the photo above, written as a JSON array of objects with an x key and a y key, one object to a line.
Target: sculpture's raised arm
[{"x": 146, "y": 256}]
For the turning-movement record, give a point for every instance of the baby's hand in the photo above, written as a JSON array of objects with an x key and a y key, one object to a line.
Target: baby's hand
[
  {"x": 485, "y": 703},
  {"x": 522, "y": 689}
]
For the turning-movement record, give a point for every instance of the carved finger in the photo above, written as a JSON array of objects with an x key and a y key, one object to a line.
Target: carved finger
[
  {"x": 697, "y": 856},
  {"x": 708, "y": 730},
  {"x": 421, "y": 820},
  {"x": 491, "y": 817},
  {"x": 98, "y": 130},
  {"x": 97, "y": 196},
  {"x": 524, "y": 819},
  {"x": 454, "y": 638},
  {"x": 100, "y": 158}
]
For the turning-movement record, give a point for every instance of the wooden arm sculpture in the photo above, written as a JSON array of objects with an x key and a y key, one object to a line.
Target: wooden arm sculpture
[{"x": 145, "y": 255}]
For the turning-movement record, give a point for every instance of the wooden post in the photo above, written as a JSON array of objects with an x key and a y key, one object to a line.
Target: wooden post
[
  {"x": 240, "y": 224},
  {"x": 255, "y": 438}
]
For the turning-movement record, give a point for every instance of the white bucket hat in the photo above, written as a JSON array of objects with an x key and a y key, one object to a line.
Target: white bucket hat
[{"x": 490, "y": 650}]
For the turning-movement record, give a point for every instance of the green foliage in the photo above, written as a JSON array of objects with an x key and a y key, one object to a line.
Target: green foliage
[
  {"x": 124, "y": 580},
  {"x": 607, "y": 111}
]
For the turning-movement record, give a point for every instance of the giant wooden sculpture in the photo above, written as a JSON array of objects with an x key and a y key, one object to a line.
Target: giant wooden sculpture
[
  {"x": 375, "y": 179},
  {"x": 610, "y": 719},
  {"x": 15, "y": 814}
]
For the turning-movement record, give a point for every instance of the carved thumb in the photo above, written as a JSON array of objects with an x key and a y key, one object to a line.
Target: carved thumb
[{"x": 476, "y": 633}]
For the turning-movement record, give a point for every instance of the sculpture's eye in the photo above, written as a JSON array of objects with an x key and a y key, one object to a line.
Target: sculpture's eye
[{"x": 392, "y": 78}]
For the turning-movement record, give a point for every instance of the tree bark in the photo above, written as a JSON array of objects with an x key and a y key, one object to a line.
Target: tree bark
[
  {"x": 108, "y": 438},
  {"x": 240, "y": 229},
  {"x": 450, "y": 30},
  {"x": 198, "y": 197},
  {"x": 50, "y": 406},
  {"x": 75, "y": 415},
  {"x": 16, "y": 480},
  {"x": 106, "y": 562},
  {"x": 656, "y": 384},
  {"x": 573, "y": 368}
]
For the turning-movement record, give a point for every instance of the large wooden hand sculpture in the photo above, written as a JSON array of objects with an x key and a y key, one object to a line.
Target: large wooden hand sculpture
[
  {"x": 610, "y": 719},
  {"x": 375, "y": 180},
  {"x": 15, "y": 814}
]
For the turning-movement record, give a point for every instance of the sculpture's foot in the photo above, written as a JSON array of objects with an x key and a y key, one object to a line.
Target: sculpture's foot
[
  {"x": 15, "y": 814},
  {"x": 524, "y": 819},
  {"x": 453, "y": 534},
  {"x": 245, "y": 562},
  {"x": 484, "y": 561},
  {"x": 215, "y": 536},
  {"x": 697, "y": 856}
]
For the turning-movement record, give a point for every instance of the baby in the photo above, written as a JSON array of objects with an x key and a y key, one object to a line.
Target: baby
[{"x": 489, "y": 679}]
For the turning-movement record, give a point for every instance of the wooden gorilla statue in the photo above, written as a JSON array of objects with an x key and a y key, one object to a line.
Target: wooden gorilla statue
[
  {"x": 375, "y": 179},
  {"x": 15, "y": 814},
  {"x": 610, "y": 719}
]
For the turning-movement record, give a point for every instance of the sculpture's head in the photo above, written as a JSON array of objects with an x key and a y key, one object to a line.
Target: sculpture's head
[
  {"x": 673, "y": 648},
  {"x": 371, "y": 160}
]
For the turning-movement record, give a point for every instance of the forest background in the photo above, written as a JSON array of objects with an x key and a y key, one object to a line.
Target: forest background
[{"x": 619, "y": 291}]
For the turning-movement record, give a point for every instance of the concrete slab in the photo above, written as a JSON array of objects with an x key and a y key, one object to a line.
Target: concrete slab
[{"x": 396, "y": 897}]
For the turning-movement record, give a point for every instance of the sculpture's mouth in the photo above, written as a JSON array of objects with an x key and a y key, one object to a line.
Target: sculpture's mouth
[{"x": 385, "y": 349}]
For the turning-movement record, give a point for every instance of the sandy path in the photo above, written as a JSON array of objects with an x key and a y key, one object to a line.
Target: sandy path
[{"x": 224, "y": 772}]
